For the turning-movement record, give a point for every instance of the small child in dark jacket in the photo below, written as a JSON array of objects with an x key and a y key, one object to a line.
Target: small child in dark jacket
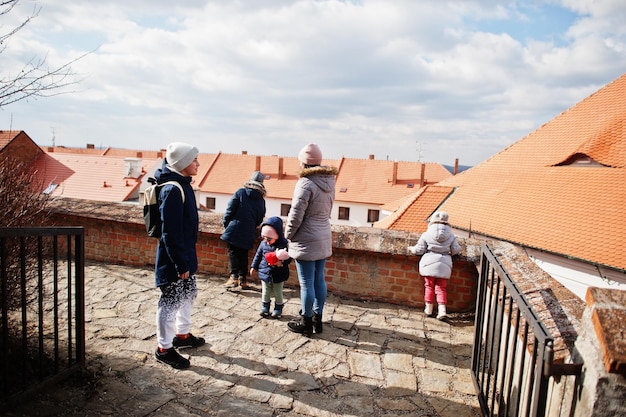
[{"x": 271, "y": 262}]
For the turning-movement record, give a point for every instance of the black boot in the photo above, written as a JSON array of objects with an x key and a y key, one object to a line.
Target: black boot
[
  {"x": 303, "y": 325},
  {"x": 317, "y": 323}
]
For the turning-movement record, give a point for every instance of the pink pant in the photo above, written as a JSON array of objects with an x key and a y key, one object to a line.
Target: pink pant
[{"x": 436, "y": 286}]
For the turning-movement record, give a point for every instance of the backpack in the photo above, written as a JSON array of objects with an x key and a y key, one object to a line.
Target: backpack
[{"x": 151, "y": 214}]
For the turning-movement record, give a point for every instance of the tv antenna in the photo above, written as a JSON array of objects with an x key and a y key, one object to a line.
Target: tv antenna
[{"x": 419, "y": 151}]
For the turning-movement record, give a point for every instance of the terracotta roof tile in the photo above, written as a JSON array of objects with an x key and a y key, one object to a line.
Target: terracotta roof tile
[
  {"x": 535, "y": 193},
  {"x": 6, "y": 136},
  {"x": 368, "y": 181},
  {"x": 363, "y": 181},
  {"x": 412, "y": 215},
  {"x": 378, "y": 182},
  {"x": 89, "y": 177}
]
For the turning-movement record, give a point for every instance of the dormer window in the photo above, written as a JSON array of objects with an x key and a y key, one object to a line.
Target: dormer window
[
  {"x": 50, "y": 188},
  {"x": 580, "y": 160}
]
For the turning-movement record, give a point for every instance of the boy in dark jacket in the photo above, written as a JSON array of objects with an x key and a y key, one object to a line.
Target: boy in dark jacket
[
  {"x": 176, "y": 257},
  {"x": 244, "y": 213},
  {"x": 271, "y": 262}
]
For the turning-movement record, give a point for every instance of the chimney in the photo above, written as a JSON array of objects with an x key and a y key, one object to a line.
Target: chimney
[
  {"x": 244, "y": 152},
  {"x": 91, "y": 146},
  {"x": 456, "y": 166},
  {"x": 395, "y": 173},
  {"x": 139, "y": 154},
  {"x": 258, "y": 163},
  {"x": 371, "y": 156},
  {"x": 280, "y": 167},
  {"x": 132, "y": 167},
  {"x": 422, "y": 175}
]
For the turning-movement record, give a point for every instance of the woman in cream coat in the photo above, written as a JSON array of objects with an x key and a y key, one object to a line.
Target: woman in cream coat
[{"x": 310, "y": 238}]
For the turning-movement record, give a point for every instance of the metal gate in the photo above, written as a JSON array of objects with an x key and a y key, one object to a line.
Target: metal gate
[
  {"x": 42, "y": 327},
  {"x": 512, "y": 359}
]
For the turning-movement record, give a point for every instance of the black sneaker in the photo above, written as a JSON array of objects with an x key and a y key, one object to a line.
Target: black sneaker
[
  {"x": 191, "y": 341},
  {"x": 172, "y": 358}
]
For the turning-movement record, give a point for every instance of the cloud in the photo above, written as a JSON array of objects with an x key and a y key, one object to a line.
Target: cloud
[{"x": 460, "y": 79}]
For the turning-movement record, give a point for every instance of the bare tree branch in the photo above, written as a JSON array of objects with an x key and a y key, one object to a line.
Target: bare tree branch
[{"x": 34, "y": 79}]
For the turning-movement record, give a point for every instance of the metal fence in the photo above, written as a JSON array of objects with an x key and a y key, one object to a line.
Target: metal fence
[
  {"x": 42, "y": 334},
  {"x": 513, "y": 353}
]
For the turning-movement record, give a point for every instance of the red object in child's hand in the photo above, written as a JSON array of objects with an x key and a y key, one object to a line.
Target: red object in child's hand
[{"x": 271, "y": 258}]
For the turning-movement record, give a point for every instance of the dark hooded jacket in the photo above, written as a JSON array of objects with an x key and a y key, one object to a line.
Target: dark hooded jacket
[
  {"x": 244, "y": 213},
  {"x": 176, "y": 250},
  {"x": 266, "y": 272}
]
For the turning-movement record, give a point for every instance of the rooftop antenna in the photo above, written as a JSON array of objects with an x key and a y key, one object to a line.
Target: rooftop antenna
[
  {"x": 53, "y": 137},
  {"x": 419, "y": 151}
]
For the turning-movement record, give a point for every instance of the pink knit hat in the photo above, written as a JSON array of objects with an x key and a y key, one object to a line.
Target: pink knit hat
[
  {"x": 311, "y": 154},
  {"x": 269, "y": 231}
]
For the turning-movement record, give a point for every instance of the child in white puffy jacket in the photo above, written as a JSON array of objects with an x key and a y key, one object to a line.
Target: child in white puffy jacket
[{"x": 436, "y": 245}]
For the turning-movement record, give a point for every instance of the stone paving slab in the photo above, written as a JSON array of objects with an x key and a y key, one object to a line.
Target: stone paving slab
[{"x": 373, "y": 359}]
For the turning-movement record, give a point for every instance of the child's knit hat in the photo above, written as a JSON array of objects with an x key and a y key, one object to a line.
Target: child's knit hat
[
  {"x": 257, "y": 176},
  {"x": 439, "y": 217},
  {"x": 269, "y": 231}
]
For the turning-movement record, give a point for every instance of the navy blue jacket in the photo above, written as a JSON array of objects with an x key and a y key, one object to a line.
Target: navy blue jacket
[
  {"x": 266, "y": 272},
  {"x": 176, "y": 250},
  {"x": 244, "y": 213}
]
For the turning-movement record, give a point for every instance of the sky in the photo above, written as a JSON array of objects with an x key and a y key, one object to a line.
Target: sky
[{"x": 406, "y": 80}]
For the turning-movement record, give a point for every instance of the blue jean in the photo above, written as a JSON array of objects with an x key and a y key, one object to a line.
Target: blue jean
[{"x": 312, "y": 286}]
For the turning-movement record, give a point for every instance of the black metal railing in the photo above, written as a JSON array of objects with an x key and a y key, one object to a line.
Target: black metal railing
[
  {"x": 42, "y": 334},
  {"x": 512, "y": 359}
]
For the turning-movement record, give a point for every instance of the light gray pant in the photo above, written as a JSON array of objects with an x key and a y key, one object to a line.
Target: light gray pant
[{"x": 174, "y": 310}]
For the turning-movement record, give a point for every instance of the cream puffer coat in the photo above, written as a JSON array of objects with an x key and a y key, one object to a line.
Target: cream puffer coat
[
  {"x": 436, "y": 245},
  {"x": 308, "y": 224}
]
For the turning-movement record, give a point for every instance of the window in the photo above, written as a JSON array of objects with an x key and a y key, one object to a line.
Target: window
[
  {"x": 284, "y": 209},
  {"x": 344, "y": 213},
  {"x": 373, "y": 216},
  {"x": 210, "y": 203}
]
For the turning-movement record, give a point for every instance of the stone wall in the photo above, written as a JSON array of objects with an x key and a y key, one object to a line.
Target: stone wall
[{"x": 367, "y": 263}]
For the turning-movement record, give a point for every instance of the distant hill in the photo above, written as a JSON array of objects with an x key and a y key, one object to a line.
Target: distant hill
[{"x": 461, "y": 168}]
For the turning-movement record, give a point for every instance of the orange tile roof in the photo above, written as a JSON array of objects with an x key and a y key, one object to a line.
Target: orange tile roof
[
  {"x": 377, "y": 182},
  {"x": 89, "y": 177},
  {"x": 124, "y": 153},
  {"x": 228, "y": 172},
  {"x": 6, "y": 136},
  {"x": 365, "y": 181},
  {"x": 413, "y": 212},
  {"x": 533, "y": 193}
]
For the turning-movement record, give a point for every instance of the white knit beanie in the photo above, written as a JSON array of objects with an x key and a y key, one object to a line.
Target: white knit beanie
[
  {"x": 439, "y": 217},
  {"x": 180, "y": 155}
]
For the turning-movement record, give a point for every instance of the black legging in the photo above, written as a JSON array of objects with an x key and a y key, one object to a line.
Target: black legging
[{"x": 238, "y": 261}]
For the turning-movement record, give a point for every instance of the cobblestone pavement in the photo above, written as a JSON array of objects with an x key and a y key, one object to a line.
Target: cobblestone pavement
[{"x": 372, "y": 359}]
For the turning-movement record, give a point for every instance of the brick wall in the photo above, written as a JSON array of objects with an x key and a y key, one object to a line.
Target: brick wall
[{"x": 367, "y": 263}]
